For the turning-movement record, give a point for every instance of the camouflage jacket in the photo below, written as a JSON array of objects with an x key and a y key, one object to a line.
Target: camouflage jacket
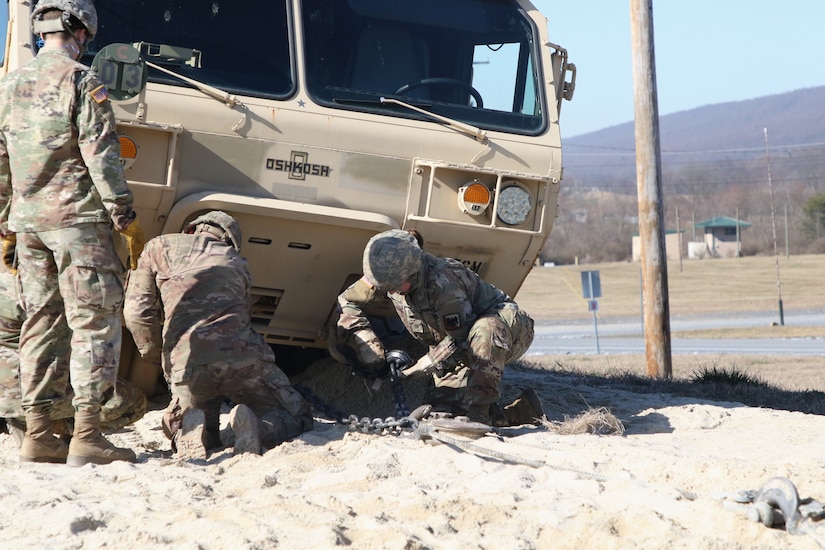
[
  {"x": 59, "y": 149},
  {"x": 446, "y": 298},
  {"x": 189, "y": 300}
]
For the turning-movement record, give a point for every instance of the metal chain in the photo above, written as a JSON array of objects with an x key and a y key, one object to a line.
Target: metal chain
[
  {"x": 389, "y": 425},
  {"x": 320, "y": 405},
  {"x": 399, "y": 398}
]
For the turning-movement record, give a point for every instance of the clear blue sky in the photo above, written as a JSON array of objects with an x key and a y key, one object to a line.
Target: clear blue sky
[{"x": 707, "y": 51}]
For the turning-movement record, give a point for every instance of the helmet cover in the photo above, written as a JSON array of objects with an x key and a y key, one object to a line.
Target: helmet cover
[
  {"x": 83, "y": 10},
  {"x": 217, "y": 218},
  {"x": 391, "y": 258}
]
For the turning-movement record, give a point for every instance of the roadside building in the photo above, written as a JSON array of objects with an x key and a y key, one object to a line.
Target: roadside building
[{"x": 722, "y": 239}]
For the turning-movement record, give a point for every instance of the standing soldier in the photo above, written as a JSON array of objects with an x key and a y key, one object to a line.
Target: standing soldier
[
  {"x": 121, "y": 405},
  {"x": 61, "y": 189},
  {"x": 188, "y": 306},
  {"x": 472, "y": 328}
]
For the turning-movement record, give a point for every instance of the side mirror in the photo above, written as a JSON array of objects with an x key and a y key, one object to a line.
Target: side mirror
[{"x": 122, "y": 69}]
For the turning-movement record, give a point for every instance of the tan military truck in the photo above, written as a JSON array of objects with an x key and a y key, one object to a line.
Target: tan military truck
[{"x": 318, "y": 123}]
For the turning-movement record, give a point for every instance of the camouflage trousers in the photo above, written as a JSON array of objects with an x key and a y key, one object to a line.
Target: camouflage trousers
[
  {"x": 475, "y": 380},
  {"x": 72, "y": 292},
  {"x": 257, "y": 383},
  {"x": 121, "y": 404}
]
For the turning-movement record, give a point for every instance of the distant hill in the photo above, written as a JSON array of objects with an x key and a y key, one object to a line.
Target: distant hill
[{"x": 734, "y": 130}]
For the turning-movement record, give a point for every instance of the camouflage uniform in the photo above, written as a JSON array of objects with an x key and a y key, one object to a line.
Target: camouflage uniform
[
  {"x": 61, "y": 186},
  {"x": 197, "y": 288},
  {"x": 122, "y": 404},
  {"x": 445, "y": 299}
]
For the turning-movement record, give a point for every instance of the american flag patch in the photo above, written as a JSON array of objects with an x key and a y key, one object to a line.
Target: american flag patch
[{"x": 100, "y": 94}]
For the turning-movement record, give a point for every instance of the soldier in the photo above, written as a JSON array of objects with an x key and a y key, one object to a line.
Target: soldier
[
  {"x": 61, "y": 190},
  {"x": 473, "y": 328},
  {"x": 198, "y": 284},
  {"x": 121, "y": 405}
]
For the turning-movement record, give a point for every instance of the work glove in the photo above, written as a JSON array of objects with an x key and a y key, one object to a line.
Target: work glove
[
  {"x": 9, "y": 252},
  {"x": 369, "y": 351},
  {"x": 433, "y": 360},
  {"x": 133, "y": 235}
]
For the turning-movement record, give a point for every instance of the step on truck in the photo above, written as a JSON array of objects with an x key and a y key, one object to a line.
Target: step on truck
[{"x": 319, "y": 123}]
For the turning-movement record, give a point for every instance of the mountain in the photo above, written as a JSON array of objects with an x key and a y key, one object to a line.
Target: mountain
[{"x": 725, "y": 131}]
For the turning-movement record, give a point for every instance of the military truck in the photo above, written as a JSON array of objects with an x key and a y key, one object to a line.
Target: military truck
[{"x": 319, "y": 123}]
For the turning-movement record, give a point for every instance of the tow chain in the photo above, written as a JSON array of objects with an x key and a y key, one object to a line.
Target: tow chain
[
  {"x": 386, "y": 426},
  {"x": 435, "y": 426},
  {"x": 399, "y": 398},
  {"x": 390, "y": 425}
]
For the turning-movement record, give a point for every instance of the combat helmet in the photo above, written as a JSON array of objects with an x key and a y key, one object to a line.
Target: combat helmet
[
  {"x": 231, "y": 231},
  {"x": 83, "y": 10},
  {"x": 391, "y": 258}
]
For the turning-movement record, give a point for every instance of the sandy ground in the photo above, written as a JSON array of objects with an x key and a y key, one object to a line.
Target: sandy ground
[{"x": 666, "y": 482}]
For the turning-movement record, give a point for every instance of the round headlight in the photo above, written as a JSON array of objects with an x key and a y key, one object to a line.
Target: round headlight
[
  {"x": 514, "y": 205},
  {"x": 474, "y": 198}
]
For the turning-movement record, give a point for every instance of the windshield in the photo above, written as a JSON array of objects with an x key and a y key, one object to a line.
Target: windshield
[
  {"x": 241, "y": 46},
  {"x": 469, "y": 60},
  {"x": 472, "y": 61}
]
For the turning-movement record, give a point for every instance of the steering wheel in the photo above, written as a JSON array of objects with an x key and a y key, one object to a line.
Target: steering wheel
[{"x": 443, "y": 81}]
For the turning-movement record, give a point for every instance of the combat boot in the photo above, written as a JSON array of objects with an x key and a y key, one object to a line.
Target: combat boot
[
  {"x": 190, "y": 440},
  {"x": 278, "y": 425},
  {"x": 247, "y": 433},
  {"x": 525, "y": 409},
  {"x": 88, "y": 445},
  {"x": 479, "y": 413},
  {"x": 39, "y": 445}
]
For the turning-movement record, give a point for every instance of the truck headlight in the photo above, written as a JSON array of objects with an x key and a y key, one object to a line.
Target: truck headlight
[
  {"x": 514, "y": 205},
  {"x": 474, "y": 198}
]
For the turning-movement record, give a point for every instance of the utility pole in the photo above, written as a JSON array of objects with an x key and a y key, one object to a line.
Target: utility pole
[
  {"x": 773, "y": 226},
  {"x": 649, "y": 189}
]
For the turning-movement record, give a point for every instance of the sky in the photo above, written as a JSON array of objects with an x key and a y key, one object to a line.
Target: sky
[{"x": 706, "y": 52}]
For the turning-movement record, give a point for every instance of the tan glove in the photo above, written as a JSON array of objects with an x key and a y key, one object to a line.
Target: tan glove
[
  {"x": 9, "y": 252},
  {"x": 431, "y": 362},
  {"x": 369, "y": 350},
  {"x": 133, "y": 235}
]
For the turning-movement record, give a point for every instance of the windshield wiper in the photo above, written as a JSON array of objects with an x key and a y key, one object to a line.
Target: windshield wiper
[
  {"x": 230, "y": 100},
  {"x": 476, "y": 133}
]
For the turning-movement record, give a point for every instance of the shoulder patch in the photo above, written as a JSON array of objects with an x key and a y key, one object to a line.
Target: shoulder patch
[
  {"x": 452, "y": 321},
  {"x": 100, "y": 94}
]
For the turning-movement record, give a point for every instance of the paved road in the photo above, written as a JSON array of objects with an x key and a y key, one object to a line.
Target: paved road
[{"x": 628, "y": 336}]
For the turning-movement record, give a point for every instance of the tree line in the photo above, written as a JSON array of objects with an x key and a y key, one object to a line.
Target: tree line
[{"x": 780, "y": 190}]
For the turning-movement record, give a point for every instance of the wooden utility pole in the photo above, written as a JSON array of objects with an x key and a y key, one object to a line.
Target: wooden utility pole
[{"x": 649, "y": 189}]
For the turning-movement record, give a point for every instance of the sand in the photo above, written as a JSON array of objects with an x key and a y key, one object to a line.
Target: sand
[{"x": 667, "y": 481}]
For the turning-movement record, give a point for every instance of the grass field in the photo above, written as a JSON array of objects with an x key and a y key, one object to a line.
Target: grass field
[
  {"x": 735, "y": 285},
  {"x": 723, "y": 286}
]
